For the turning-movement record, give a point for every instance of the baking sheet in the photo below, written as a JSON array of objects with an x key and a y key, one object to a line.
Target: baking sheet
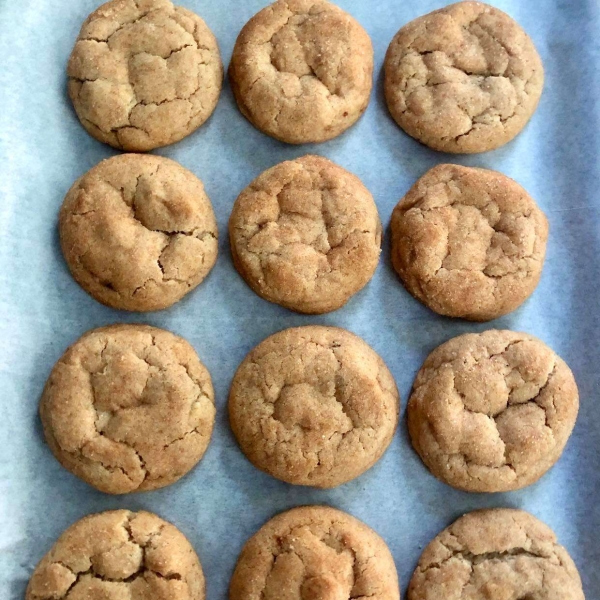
[{"x": 224, "y": 500}]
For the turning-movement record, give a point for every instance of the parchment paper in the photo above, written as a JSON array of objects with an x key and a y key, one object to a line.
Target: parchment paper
[{"x": 43, "y": 149}]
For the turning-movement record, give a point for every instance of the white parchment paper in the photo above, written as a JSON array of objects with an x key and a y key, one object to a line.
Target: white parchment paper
[{"x": 43, "y": 149}]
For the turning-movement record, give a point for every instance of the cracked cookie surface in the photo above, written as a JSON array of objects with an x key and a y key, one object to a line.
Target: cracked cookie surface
[
  {"x": 468, "y": 242},
  {"x": 144, "y": 73},
  {"x": 315, "y": 552},
  {"x": 498, "y": 554},
  {"x": 128, "y": 408},
  {"x": 302, "y": 70},
  {"x": 313, "y": 406},
  {"x": 118, "y": 555},
  {"x": 306, "y": 234},
  {"x": 138, "y": 232},
  {"x": 492, "y": 412},
  {"x": 465, "y": 78}
]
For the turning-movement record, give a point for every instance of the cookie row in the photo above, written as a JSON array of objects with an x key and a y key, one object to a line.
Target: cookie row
[
  {"x": 131, "y": 408},
  {"x": 309, "y": 552},
  {"x": 138, "y": 233},
  {"x": 465, "y": 78}
]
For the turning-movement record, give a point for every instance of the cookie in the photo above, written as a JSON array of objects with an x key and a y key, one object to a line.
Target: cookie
[
  {"x": 119, "y": 554},
  {"x": 302, "y": 70},
  {"x": 138, "y": 232},
  {"x": 144, "y": 73},
  {"x": 465, "y": 78},
  {"x": 314, "y": 552},
  {"x": 492, "y": 411},
  {"x": 497, "y": 554},
  {"x": 306, "y": 234},
  {"x": 313, "y": 406},
  {"x": 468, "y": 242},
  {"x": 128, "y": 408}
]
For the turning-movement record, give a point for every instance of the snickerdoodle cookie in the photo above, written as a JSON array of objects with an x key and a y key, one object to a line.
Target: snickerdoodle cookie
[
  {"x": 144, "y": 73},
  {"x": 465, "y": 78},
  {"x": 498, "y": 554},
  {"x": 302, "y": 70},
  {"x": 119, "y": 554},
  {"x": 468, "y": 242},
  {"x": 492, "y": 412},
  {"x": 315, "y": 552},
  {"x": 138, "y": 232},
  {"x": 128, "y": 408},
  {"x": 313, "y": 406},
  {"x": 306, "y": 234}
]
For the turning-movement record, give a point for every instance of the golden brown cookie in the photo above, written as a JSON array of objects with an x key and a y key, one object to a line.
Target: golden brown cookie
[
  {"x": 116, "y": 555},
  {"x": 498, "y": 554},
  {"x": 302, "y": 70},
  {"x": 313, "y": 406},
  {"x": 314, "y": 552},
  {"x": 492, "y": 411},
  {"x": 144, "y": 73},
  {"x": 465, "y": 78},
  {"x": 468, "y": 242},
  {"x": 306, "y": 234},
  {"x": 138, "y": 232},
  {"x": 128, "y": 408}
]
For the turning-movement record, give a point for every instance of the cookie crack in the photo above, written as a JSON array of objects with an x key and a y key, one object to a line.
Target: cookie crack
[
  {"x": 120, "y": 27},
  {"x": 100, "y": 433},
  {"x": 147, "y": 474},
  {"x": 474, "y": 559},
  {"x": 478, "y": 78},
  {"x": 327, "y": 225},
  {"x": 127, "y": 55},
  {"x": 142, "y": 571},
  {"x": 520, "y": 259},
  {"x": 330, "y": 539},
  {"x": 310, "y": 69},
  {"x": 535, "y": 400},
  {"x": 355, "y": 426},
  {"x": 197, "y": 233}
]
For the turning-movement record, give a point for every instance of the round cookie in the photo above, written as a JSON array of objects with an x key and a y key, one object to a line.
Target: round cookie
[
  {"x": 497, "y": 554},
  {"x": 465, "y": 78},
  {"x": 144, "y": 73},
  {"x": 468, "y": 242},
  {"x": 119, "y": 554},
  {"x": 492, "y": 411},
  {"x": 306, "y": 234},
  {"x": 138, "y": 232},
  {"x": 302, "y": 70},
  {"x": 128, "y": 408},
  {"x": 314, "y": 552},
  {"x": 313, "y": 406}
]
